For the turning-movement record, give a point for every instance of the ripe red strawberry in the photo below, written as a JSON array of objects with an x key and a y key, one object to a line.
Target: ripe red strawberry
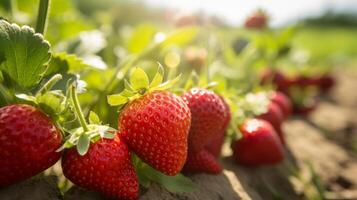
[
  {"x": 106, "y": 168},
  {"x": 215, "y": 145},
  {"x": 283, "y": 102},
  {"x": 202, "y": 162},
  {"x": 256, "y": 20},
  {"x": 325, "y": 82},
  {"x": 302, "y": 81},
  {"x": 278, "y": 79},
  {"x": 259, "y": 144},
  {"x": 304, "y": 110},
  {"x": 28, "y": 143},
  {"x": 156, "y": 127},
  {"x": 274, "y": 116},
  {"x": 208, "y": 117}
]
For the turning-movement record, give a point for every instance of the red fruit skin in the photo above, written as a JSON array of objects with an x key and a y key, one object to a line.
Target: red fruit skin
[
  {"x": 304, "y": 110},
  {"x": 28, "y": 143},
  {"x": 274, "y": 116},
  {"x": 106, "y": 168},
  {"x": 202, "y": 162},
  {"x": 259, "y": 145},
  {"x": 303, "y": 81},
  {"x": 277, "y": 78},
  {"x": 156, "y": 128},
  {"x": 283, "y": 102},
  {"x": 326, "y": 82},
  {"x": 208, "y": 117},
  {"x": 215, "y": 145},
  {"x": 256, "y": 21}
]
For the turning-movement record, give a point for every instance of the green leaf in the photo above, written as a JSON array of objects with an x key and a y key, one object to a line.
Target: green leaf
[
  {"x": 141, "y": 38},
  {"x": 52, "y": 102},
  {"x": 174, "y": 184},
  {"x": 181, "y": 37},
  {"x": 26, "y": 97},
  {"x": 63, "y": 62},
  {"x": 159, "y": 77},
  {"x": 93, "y": 118},
  {"x": 83, "y": 144},
  {"x": 26, "y": 54},
  {"x": 127, "y": 85},
  {"x": 139, "y": 79},
  {"x": 178, "y": 184},
  {"x": 117, "y": 99}
]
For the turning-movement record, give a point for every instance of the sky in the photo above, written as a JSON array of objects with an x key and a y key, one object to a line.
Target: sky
[{"x": 280, "y": 11}]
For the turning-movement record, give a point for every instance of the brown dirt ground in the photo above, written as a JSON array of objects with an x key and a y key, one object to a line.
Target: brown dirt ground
[{"x": 324, "y": 141}]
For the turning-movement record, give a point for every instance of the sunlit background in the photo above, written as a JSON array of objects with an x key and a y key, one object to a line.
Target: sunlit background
[{"x": 281, "y": 11}]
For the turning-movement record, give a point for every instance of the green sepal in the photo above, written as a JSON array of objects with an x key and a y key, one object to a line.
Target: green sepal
[
  {"x": 117, "y": 99},
  {"x": 79, "y": 138},
  {"x": 139, "y": 79},
  {"x": 158, "y": 78},
  {"x": 139, "y": 85},
  {"x": 83, "y": 144},
  {"x": 166, "y": 85}
]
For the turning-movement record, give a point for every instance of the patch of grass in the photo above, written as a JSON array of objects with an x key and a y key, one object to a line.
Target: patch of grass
[{"x": 327, "y": 42}]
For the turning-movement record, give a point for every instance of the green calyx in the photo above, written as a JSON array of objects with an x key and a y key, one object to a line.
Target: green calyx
[
  {"x": 139, "y": 85},
  {"x": 52, "y": 102},
  {"x": 82, "y": 136}
]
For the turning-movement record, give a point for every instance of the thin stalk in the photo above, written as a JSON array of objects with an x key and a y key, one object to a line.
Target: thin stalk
[
  {"x": 77, "y": 108},
  {"x": 7, "y": 97},
  {"x": 13, "y": 8},
  {"x": 49, "y": 84},
  {"x": 42, "y": 16}
]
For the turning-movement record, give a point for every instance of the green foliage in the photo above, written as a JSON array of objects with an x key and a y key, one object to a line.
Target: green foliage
[
  {"x": 141, "y": 38},
  {"x": 24, "y": 55},
  {"x": 174, "y": 184}
]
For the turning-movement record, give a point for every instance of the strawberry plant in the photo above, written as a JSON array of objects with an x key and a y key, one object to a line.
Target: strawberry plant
[{"x": 86, "y": 87}]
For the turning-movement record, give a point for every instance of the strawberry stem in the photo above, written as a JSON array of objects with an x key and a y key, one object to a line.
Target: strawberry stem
[
  {"x": 49, "y": 84},
  {"x": 77, "y": 108},
  {"x": 42, "y": 16}
]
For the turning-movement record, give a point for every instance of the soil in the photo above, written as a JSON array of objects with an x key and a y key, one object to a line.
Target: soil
[{"x": 320, "y": 150}]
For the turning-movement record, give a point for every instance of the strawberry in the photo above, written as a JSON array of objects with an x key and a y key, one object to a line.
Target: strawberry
[
  {"x": 274, "y": 116},
  {"x": 202, "y": 162},
  {"x": 215, "y": 145},
  {"x": 106, "y": 168},
  {"x": 304, "y": 110},
  {"x": 155, "y": 126},
  {"x": 208, "y": 116},
  {"x": 259, "y": 144},
  {"x": 196, "y": 57},
  {"x": 303, "y": 81},
  {"x": 283, "y": 102},
  {"x": 256, "y": 20},
  {"x": 277, "y": 78},
  {"x": 325, "y": 82},
  {"x": 28, "y": 143}
]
